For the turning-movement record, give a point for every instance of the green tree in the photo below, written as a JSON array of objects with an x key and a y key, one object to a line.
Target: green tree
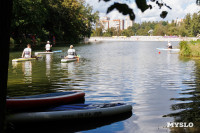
[
  {"x": 98, "y": 32},
  {"x": 182, "y": 30},
  {"x": 111, "y": 32},
  {"x": 187, "y": 22},
  {"x": 68, "y": 20},
  {"x": 159, "y": 30},
  {"x": 195, "y": 24},
  {"x": 74, "y": 19},
  {"x": 128, "y": 32},
  {"x": 28, "y": 17}
]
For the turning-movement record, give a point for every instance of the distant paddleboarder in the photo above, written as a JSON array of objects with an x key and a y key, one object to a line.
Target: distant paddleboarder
[
  {"x": 27, "y": 52},
  {"x": 71, "y": 52},
  {"x": 48, "y": 47},
  {"x": 169, "y": 45}
]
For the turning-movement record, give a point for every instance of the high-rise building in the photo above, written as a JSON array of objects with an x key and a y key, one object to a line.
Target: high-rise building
[
  {"x": 128, "y": 22},
  {"x": 178, "y": 21},
  {"x": 104, "y": 21},
  {"x": 118, "y": 24}
]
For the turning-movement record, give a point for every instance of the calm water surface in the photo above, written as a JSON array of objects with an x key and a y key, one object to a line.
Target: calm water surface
[{"x": 161, "y": 87}]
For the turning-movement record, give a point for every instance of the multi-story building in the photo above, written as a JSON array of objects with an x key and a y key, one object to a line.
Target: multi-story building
[
  {"x": 178, "y": 21},
  {"x": 128, "y": 23},
  {"x": 105, "y": 22},
  {"x": 119, "y": 24}
]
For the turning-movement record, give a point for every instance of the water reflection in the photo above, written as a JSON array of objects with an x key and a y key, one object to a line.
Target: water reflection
[
  {"x": 130, "y": 72},
  {"x": 48, "y": 65},
  {"x": 187, "y": 107},
  {"x": 27, "y": 69},
  {"x": 69, "y": 67}
]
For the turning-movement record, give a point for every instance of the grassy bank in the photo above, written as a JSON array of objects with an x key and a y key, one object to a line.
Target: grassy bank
[{"x": 190, "y": 48}]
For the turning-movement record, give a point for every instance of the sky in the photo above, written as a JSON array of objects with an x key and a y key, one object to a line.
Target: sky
[{"x": 180, "y": 8}]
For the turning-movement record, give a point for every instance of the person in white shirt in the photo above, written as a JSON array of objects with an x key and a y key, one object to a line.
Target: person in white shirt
[
  {"x": 48, "y": 47},
  {"x": 169, "y": 45},
  {"x": 27, "y": 52},
  {"x": 71, "y": 52}
]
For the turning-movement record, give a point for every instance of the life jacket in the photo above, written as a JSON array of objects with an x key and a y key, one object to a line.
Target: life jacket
[
  {"x": 27, "y": 52},
  {"x": 71, "y": 52}
]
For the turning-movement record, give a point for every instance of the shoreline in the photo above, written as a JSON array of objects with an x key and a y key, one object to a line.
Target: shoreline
[{"x": 141, "y": 38}]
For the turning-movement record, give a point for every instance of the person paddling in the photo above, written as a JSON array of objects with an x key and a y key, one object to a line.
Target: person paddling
[
  {"x": 169, "y": 45},
  {"x": 71, "y": 52},
  {"x": 27, "y": 52},
  {"x": 48, "y": 47}
]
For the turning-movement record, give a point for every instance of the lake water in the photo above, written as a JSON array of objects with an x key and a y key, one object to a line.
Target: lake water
[{"x": 161, "y": 86}]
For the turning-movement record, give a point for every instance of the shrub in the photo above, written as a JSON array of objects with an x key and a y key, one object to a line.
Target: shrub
[{"x": 191, "y": 48}]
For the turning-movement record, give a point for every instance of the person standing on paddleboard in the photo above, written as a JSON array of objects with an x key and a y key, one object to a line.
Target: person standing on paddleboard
[
  {"x": 27, "y": 52},
  {"x": 71, "y": 52},
  {"x": 169, "y": 45},
  {"x": 48, "y": 47}
]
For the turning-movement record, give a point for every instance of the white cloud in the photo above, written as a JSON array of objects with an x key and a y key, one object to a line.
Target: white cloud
[
  {"x": 192, "y": 8},
  {"x": 179, "y": 9}
]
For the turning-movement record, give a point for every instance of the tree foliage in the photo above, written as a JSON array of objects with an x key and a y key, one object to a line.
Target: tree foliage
[
  {"x": 67, "y": 20},
  {"x": 141, "y": 4}
]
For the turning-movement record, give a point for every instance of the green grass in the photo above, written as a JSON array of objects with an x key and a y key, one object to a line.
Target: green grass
[{"x": 190, "y": 49}]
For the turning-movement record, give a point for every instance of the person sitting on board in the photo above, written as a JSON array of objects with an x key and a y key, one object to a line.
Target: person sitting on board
[
  {"x": 27, "y": 52},
  {"x": 169, "y": 45},
  {"x": 71, "y": 53},
  {"x": 48, "y": 47}
]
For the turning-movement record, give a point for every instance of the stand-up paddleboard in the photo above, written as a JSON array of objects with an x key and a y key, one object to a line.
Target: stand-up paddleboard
[
  {"x": 23, "y": 59},
  {"x": 70, "y": 59},
  {"x": 49, "y": 99},
  {"x": 36, "y": 53},
  {"x": 72, "y": 112},
  {"x": 168, "y": 49},
  {"x": 57, "y": 51}
]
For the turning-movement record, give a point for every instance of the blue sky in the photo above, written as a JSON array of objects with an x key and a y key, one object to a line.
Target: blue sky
[{"x": 179, "y": 9}]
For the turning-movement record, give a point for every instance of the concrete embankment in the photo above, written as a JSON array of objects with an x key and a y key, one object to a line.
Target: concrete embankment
[{"x": 142, "y": 38}]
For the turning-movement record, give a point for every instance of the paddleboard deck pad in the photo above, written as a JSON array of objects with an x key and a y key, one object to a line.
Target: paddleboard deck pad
[
  {"x": 43, "y": 100},
  {"x": 72, "y": 112},
  {"x": 23, "y": 59}
]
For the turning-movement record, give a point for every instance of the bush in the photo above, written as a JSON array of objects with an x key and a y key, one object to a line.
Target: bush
[
  {"x": 182, "y": 44},
  {"x": 191, "y": 48}
]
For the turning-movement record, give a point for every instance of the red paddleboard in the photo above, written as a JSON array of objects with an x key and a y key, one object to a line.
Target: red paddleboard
[{"x": 43, "y": 100}]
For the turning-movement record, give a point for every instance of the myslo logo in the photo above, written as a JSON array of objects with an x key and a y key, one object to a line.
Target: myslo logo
[{"x": 179, "y": 124}]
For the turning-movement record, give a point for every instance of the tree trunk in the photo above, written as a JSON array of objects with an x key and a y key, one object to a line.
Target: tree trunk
[{"x": 5, "y": 15}]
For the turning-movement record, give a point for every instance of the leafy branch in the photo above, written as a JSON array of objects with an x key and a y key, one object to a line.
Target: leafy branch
[{"x": 141, "y": 4}]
